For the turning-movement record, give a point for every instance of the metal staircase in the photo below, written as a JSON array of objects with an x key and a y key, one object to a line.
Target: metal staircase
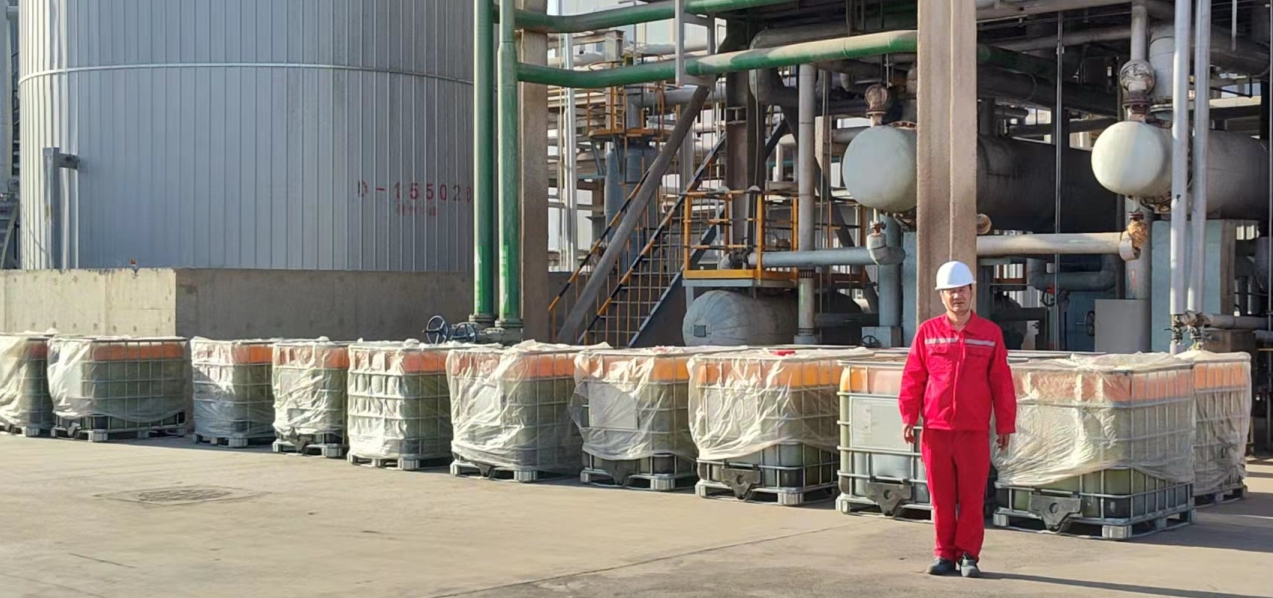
[{"x": 648, "y": 279}]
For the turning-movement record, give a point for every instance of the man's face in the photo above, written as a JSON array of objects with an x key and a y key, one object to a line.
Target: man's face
[{"x": 957, "y": 301}]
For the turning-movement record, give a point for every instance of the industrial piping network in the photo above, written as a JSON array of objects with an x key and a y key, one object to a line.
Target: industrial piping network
[{"x": 878, "y": 250}]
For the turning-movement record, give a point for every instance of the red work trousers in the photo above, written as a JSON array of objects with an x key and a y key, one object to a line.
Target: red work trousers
[{"x": 958, "y": 466}]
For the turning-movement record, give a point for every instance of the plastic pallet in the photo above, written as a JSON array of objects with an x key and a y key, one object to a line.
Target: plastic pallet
[
  {"x": 493, "y": 472},
  {"x": 652, "y": 482},
  {"x": 862, "y": 507},
  {"x": 234, "y": 442},
  {"x": 398, "y": 463},
  {"x": 1218, "y": 498},
  {"x": 108, "y": 435},
  {"x": 1092, "y": 530},
  {"x": 787, "y": 497},
  {"x": 28, "y": 431},
  {"x": 331, "y": 451}
]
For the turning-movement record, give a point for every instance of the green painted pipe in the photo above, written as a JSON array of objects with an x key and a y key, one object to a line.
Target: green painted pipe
[
  {"x": 484, "y": 166},
  {"x": 510, "y": 189},
  {"x": 630, "y": 15},
  {"x": 845, "y": 48}
]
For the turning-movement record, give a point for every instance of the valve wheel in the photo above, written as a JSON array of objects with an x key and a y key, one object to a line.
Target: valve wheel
[{"x": 437, "y": 331}]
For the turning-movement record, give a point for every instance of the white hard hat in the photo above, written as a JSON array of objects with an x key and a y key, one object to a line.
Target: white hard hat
[{"x": 952, "y": 275}]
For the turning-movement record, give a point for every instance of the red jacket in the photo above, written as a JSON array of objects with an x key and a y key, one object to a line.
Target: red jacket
[{"x": 957, "y": 378}]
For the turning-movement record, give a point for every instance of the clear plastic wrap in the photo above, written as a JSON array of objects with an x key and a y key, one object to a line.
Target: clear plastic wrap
[
  {"x": 24, "y": 384},
  {"x": 510, "y": 407},
  {"x": 746, "y": 402},
  {"x": 399, "y": 403},
  {"x": 233, "y": 396},
  {"x": 634, "y": 404},
  {"x": 1084, "y": 415},
  {"x": 118, "y": 381},
  {"x": 310, "y": 387},
  {"x": 1222, "y": 383}
]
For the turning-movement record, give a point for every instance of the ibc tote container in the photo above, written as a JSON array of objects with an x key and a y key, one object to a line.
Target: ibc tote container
[
  {"x": 110, "y": 387},
  {"x": 1104, "y": 446},
  {"x": 1222, "y": 383},
  {"x": 510, "y": 411},
  {"x": 632, "y": 408},
  {"x": 25, "y": 404},
  {"x": 399, "y": 405},
  {"x": 310, "y": 380},
  {"x": 765, "y": 423},
  {"x": 233, "y": 397}
]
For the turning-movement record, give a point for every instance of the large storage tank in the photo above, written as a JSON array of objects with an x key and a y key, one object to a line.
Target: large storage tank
[{"x": 281, "y": 134}]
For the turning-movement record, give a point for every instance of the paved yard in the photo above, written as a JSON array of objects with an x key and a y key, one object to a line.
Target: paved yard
[{"x": 167, "y": 518}]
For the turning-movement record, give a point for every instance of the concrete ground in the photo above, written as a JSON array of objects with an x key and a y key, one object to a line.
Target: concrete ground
[{"x": 167, "y": 518}]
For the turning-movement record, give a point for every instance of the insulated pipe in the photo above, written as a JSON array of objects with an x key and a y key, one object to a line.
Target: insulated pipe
[
  {"x": 510, "y": 187},
  {"x": 1246, "y": 57},
  {"x": 1140, "y": 30},
  {"x": 484, "y": 251},
  {"x": 841, "y": 256},
  {"x": 1201, "y": 129},
  {"x": 859, "y": 46},
  {"x": 1179, "y": 162},
  {"x": 629, "y": 15},
  {"x": 585, "y": 303},
  {"x": 806, "y": 177},
  {"x": 1102, "y": 280},
  {"x": 889, "y": 279},
  {"x": 1138, "y": 273},
  {"x": 1225, "y": 322},
  {"x": 1052, "y": 244}
]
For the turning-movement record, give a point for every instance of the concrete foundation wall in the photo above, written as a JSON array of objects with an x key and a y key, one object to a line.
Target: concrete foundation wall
[{"x": 229, "y": 304}]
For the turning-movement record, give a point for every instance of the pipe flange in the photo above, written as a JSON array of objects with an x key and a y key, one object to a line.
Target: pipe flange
[{"x": 984, "y": 225}]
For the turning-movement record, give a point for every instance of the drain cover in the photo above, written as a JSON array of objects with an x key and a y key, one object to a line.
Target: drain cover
[{"x": 183, "y": 495}]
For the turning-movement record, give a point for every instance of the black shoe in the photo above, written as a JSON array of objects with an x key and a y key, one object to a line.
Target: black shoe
[
  {"x": 968, "y": 567},
  {"x": 941, "y": 567}
]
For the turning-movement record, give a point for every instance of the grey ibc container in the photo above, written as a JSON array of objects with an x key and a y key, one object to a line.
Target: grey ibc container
[
  {"x": 632, "y": 408},
  {"x": 399, "y": 404},
  {"x": 310, "y": 380},
  {"x": 233, "y": 394},
  {"x": 764, "y": 422},
  {"x": 110, "y": 387},
  {"x": 1104, "y": 446},
  {"x": 25, "y": 404},
  {"x": 510, "y": 410}
]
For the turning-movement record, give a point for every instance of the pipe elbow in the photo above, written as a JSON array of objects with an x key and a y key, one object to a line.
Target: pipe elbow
[{"x": 883, "y": 254}]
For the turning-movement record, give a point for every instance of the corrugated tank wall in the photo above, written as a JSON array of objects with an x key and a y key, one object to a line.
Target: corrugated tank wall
[{"x": 280, "y": 134}]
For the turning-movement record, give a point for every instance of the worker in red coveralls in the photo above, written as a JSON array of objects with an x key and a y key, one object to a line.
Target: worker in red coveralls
[{"x": 956, "y": 375}]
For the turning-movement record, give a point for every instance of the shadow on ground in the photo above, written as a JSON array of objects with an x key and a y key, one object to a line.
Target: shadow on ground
[{"x": 1115, "y": 587}]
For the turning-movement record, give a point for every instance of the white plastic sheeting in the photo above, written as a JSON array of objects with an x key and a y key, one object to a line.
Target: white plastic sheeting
[
  {"x": 137, "y": 380},
  {"x": 1222, "y": 383},
  {"x": 399, "y": 404},
  {"x": 24, "y": 383},
  {"x": 510, "y": 407},
  {"x": 1088, "y": 414},
  {"x": 233, "y": 397},
  {"x": 309, "y": 380},
  {"x": 634, "y": 404},
  {"x": 745, "y": 402}
]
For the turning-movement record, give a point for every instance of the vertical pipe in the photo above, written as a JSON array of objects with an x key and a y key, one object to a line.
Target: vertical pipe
[
  {"x": 1060, "y": 141},
  {"x": 1140, "y": 27},
  {"x": 1179, "y": 163},
  {"x": 483, "y": 165},
  {"x": 1138, "y": 272},
  {"x": 570, "y": 173},
  {"x": 807, "y": 178},
  {"x": 890, "y": 280},
  {"x": 1201, "y": 128},
  {"x": 510, "y": 254}
]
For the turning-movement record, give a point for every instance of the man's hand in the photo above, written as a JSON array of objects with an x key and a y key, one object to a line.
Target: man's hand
[
  {"x": 1002, "y": 441},
  {"x": 908, "y": 434}
]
